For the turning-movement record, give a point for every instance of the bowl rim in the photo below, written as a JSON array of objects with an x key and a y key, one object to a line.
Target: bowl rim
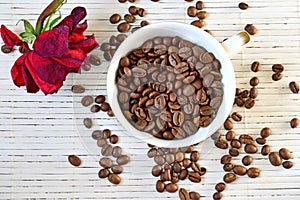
[{"x": 134, "y": 41}]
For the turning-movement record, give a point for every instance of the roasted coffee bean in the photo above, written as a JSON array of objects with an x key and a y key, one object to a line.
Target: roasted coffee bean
[
  {"x": 199, "y": 5},
  {"x": 228, "y": 125},
  {"x": 251, "y": 29},
  {"x": 179, "y": 156},
  {"x": 253, "y": 92},
  {"x": 116, "y": 151},
  {"x": 245, "y": 93},
  {"x": 95, "y": 108},
  {"x": 243, "y": 6},
  {"x": 195, "y": 156},
  {"x": 194, "y": 177},
  {"x": 74, "y": 160},
  {"x": 103, "y": 173},
  {"x": 159, "y": 159},
  {"x": 156, "y": 170},
  {"x": 235, "y": 143},
  {"x": 239, "y": 101},
  {"x": 78, "y": 89},
  {"x": 6, "y": 49},
  {"x": 253, "y": 172},
  {"x": 285, "y": 153},
  {"x": 228, "y": 167},
  {"x": 105, "y": 106},
  {"x": 239, "y": 170},
  {"x": 114, "y": 139},
  {"x": 123, "y": 27},
  {"x": 114, "y": 179},
  {"x": 275, "y": 158},
  {"x": 106, "y": 133},
  {"x": 220, "y": 187},
  {"x": 186, "y": 163},
  {"x": 265, "y": 150},
  {"x": 265, "y": 132},
  {"x": 196, "y": 167},
  {"x": 234, "y": 152},
  {"x": 107, "y": 150},
  {"x": 226, "y": 159},
  {"x": 221, "y": 143},
  {"x": 246, "y": 139},
  {"x": 88, "y": 123},
  {"x": 105, "y": 46},
  {"x": 86, "y": 67},
  {"x": 160, "y": 186},
  {"x": 166, "y": 174},
  {"x": 183, "y": 174},
  {"x": 198, "y": 23},
  {"x": 152, "y": 152},
  {"x": 141, "y": 12},
  {"x": 123, "y": 160},
  {"x": 192, "y": 11},
  {"x": 261, "y": 141},
  {"x": 294, "y": 87},
  {"x": 229, "y": 178},
  {"x": 183, "y": 194},
  {"x": 255, "y": 66},
  {"x": 100, "y": 99},
  {"x": 236, "y": 116},
  {"x": 133, "y": 10},
  {"x": 217, "y": 196},
  {"x": 194, "y": 195},
  {"x": 294, "y": 123},
  {"x": 129, "y": 18},
  {"x": 287, "y": 164},
  {"x": 106, "y": 163},
  {"x": 177, "y": 167},
  {"x": 117, "y": 169},
  {"x": 254, "y": 81},
  {"x": 171, "y": 187},
  {"x": 97, "y": 134},
  {"x": 247, "y": 160},
  {"x": 95, "y": 60},
  {"x": 101, "y": 142},
  {"x": 202, "y": 14},
  {"x": 277, "y": 76},
  {"x": 250, "y": 148},
  {"x": 249, "y": 103},
  {"x": 230, "y": 135},
  {"x": 277, "y": 68},
  {"x": 87, "y": 100}
]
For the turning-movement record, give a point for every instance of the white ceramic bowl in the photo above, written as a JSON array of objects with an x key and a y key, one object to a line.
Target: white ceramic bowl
[{"x": 190, "y": 33}]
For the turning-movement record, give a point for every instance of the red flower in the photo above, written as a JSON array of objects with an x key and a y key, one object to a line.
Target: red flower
[{"x": 55, "y": 53}]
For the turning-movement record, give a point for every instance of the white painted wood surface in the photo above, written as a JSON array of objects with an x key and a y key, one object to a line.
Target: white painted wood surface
[{"x": 38, "y": 132}]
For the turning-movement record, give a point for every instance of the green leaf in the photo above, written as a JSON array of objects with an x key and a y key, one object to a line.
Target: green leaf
[
  {"x": 51, "y": 22},
  {"x": 28, "y": 27},
  {"x": 54, "y": 21},
  {"x": 27, "y": 37}
]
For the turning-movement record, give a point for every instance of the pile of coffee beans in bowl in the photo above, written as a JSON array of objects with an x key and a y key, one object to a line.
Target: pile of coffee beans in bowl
[{"x": 169, "y": 87}]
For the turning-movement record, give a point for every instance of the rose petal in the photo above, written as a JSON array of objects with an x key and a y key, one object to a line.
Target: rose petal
[
  {"x": 52, "y": 43},
  {"x": 9, "y": 38},
  {"x": 31, "y": 86},
  {"x": 86, "y": 45},
  {"x": 72, "y": 59},
  {"x": 17, "y": 71},
  {"x": 80, "y": 28}
]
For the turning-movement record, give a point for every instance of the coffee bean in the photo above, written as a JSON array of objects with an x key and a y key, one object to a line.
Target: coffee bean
[
  {"x": 229, "y": 177},
  {"x": 74, "y": 160},
  {"x": 243, "y": 6},
  {"x": 217, "y": 196},
  {"x": 183, "y": 174},
  {"x": 107, "y": 150},
  {"x": 114, "y": 139},
  {"x": 195, "y": 156},
  {"x": 198, "y": 23},
  {"x": 105, "y": 46},
  {"x": 122, "y": 1},
  {"x": 160, "y": 186},
  {"x": 247, "y": 160},
  {"x": 78, "y": 89},
  {"x": 194, "y": 177},
  {"x": 123, "y": 27},
  {"x": 195, "y": 167},
  {"x": 239, "y": 101},
  {"x": 285, "y": 153},
  {"x": 265, "y": 132},
  {"x": 129, "y": 18},
  {"x": 192, "y": 11},
  {"x": 133, "y": 10},
  {"x": 101, "y": 142},
  {"x": 275, "y": 158},
  {"x": 103, "y": 173},
  {"x": 156, "y": 170},
  {"x": 294, "y": 87},
  {"x": 246, "y": 139},
  {"x": 116, "y": 151},
  {"x": 199, "y": 5},
  {"x": 221, "y": 143},
  {"x": 226, "y": 159},
  {"x": 239, "y": 170},
  {"x": 230, "y": 135},
  {"x": 250, "y": 148},
  {"x": 95, "y": 108},
  {"x": 105, "y": 106},
  {"x": 179, "y": 156},
  {"x": 117, "y": 169},
  {"x": 106, "y": 163},
  {"x": 254, "y": 81},
  {"x": 249, "y": 103},
  {"x": 277, "y": 76},
  {"x": 106, "y": 133},
  {"x": 294, "y": 123},
  {"x": 141, "y": 12},
  {"x": 220, "y": 187},
  {"x": 86, "y": 67},
  {"x": 235, "y": 143},
  {"x": 95, "y": 60},
  {"x": 123, "y": 160},
  {"x": 253, "y": 93},
  {"x": 171, "y": 187},
  {"x": 236, "y": 116},
  {"x": 152, "y": 152},
  {"x": 97, "y": 134},
  {"x": 251, "y": 29},
  {"x": 100, "y": 99},
  {"x": 253, "y": 172},
  {"x": 202, "y": 14},
  {"x": 261, "y": 141},
  {"x": 228, "y": 167},
  {"x": 6, "y": 49},
  {"x": 234, "y": 152},
  {"x": 194, "y": 195},
  {"x": 186, "y": 163},
  {"x": 277, "y": 68},
  {"x": 88, "y": 123},
  {"x": 245, "y": 93},
  {"x": 228, "y": 125},
  {"x": 183, "y": 194},
  {"x": 87, "y": 100},
  {"x": 114, "y": 179},
  {"x": 287, "y": 164},
  {"x": 265, "y": 150},
  {"x": 255, "y": 66}
]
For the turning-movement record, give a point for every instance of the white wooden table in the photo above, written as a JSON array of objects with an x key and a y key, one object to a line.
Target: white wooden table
[{"x": 38, "y": 132}]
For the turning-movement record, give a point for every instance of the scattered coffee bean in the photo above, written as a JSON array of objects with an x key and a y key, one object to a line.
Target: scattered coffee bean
[
  {"x": 88, "y": 123},
  {"x": 202, "y": 15},
  {"x": 198, "y": 23},
  {"x": 97, "y": 134},
  {"x": 103, "y": 173},
  {"x": 240, "y": 170},
  {"x": 217, "y": 196},
  {"x": 261, "y": 140},
  {"x": 195, "y": 156},
  {"x": 229, "y": 177},
  {"x": 277, "y": 68},
  {"x": 249, "y": 103},
  {"x": 243, "y": 6},
  {"x": 221, "y": 143},
  {"x": 194, "y": 195},
  {"x": 183, "y": 194},
  {"x": 228, "y": 167},
  {"x": 144, "y": 23},
  {"x": 254, "y": 81},
  {"x": 277, "y": 76},
  {"x": 265, "y": 150},
  {"x": 123, "y": 160},
  {"x": 255, "y": 66},
  {"x": 117, "y": 169},
  {"x": 129, "y": 18},
  {"x": 285, "y": 153},
  {"x": 95, "y": 60},
  {"x": 234, "y": 152},
  {"x": 160, "y": 186},
  {"x": 226, "y": 159},
  {"x": 287, "y": 164},
  {"x": 133, "y": 10},
  {"x": 86, "y": 67},
  {"x": 106, "y": 150},
  {"x": 294, "y": 123},
  {"x": 220, "y": 187},
  {"x": 101, "y": 142},
  {"x": 152, "y": 152},
  {"x": 105, "y": 106},
  {"x": 156, "y": 170},
  {"x": 294, "y": 87},
  {"x": 100, "y": 99},
  {"x": 236, "y": 116},
  {"x": 116, "y": 151},
  {"x": 253, "y": 172},
  {"x": 247, "y": 160},
  {"x": 230, "y": 135},
  {"x": 6, "y": 49},
  {"x": 106, "y": 133},
  {"x": 114, "y": 139},
  {"x": 251, "y": 29},
  {"x": 141, "y": 12},
  {"x": 199, "y": 5},
  {"x": 95, "y": 108},
  {"x": 246, "y": 139},
  {"x": 235, "y": 143},
  {"x": 105, "y": 46},
  {"x": 123, "y": 27},
  {"x": 265, "y": 132},
  {"x": 250, "y": 148},
  {"x": 192, "y": 11},
  {"x": 171, "y": 187},
  {"x": 253, "y": 93},
  {"x": 194, "y": 177},
  {"x": 183, "y": 174},
  {"x": 275, "y": 158},
  {"x": 228, "y": 125},
  {"x": 74, "y": 160},
  {"x": 114, "y": 179},
  {"x": 87, "y": 100},
  {"x": 106, "y": 163},
  {"x": 78, "y": 89}
]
